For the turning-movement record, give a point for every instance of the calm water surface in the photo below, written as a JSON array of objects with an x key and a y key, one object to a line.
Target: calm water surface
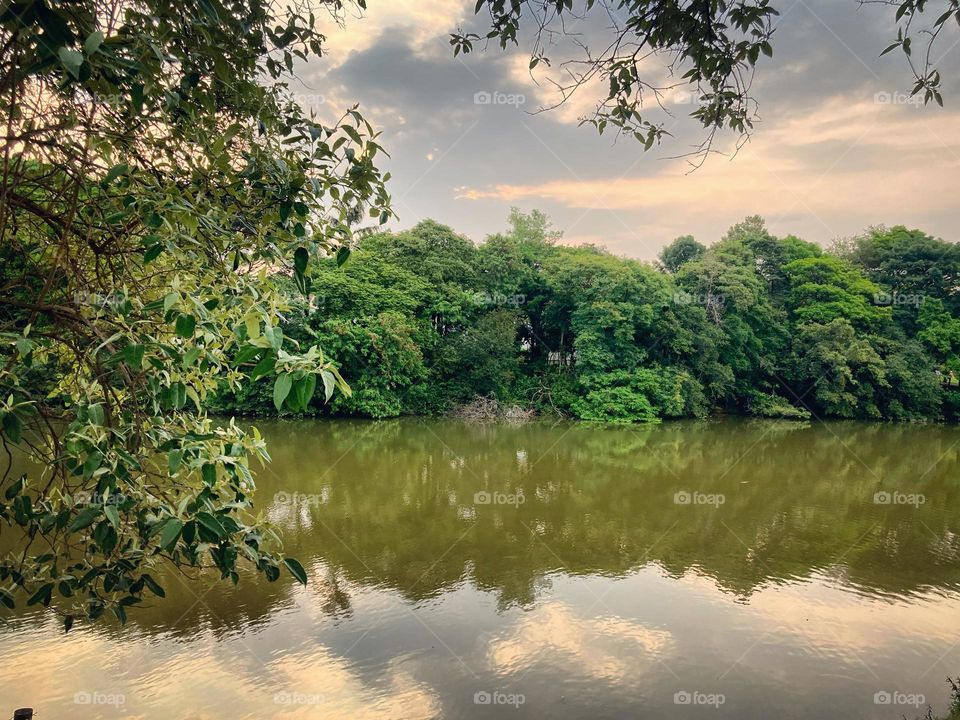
[{"x": 574, "y": 571}]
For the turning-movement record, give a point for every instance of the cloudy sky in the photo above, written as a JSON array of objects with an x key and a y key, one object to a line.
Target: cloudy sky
[{"x": 826, "y": 160}]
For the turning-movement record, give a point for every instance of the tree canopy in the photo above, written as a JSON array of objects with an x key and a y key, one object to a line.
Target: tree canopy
[
  {"x": 156, "y": 175},
  {"x": 753, "y": 324}
]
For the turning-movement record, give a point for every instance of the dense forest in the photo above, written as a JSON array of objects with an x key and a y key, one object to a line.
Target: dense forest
[{"x": 424, "y": 321}]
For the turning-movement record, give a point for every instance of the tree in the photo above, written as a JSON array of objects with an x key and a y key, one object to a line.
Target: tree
[
  {"x": 835, "y": 372},
  {"x": 156, "y": 172},
  {"x": 483, "y": 358},
  {"x": 823, "y": 289},
  {"x": 679, "y": 252},
  {"x": 940, "y": 333},
  {"x": 755, "y": 324},
  {"x": 911, "y": 267},
  {"x": 751, "y": 336}
]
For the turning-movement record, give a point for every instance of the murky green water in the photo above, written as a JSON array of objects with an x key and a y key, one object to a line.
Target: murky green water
[{"x": 728, "y": 569}]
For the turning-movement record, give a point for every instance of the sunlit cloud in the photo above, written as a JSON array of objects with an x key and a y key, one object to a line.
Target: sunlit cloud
[
  {"x": 204, "y": 680},
  {"x": 826, "y": 157},
  {"x": 419, "y": 23},
  {"x": 602, "y": 647},
  {"x": 822, "y": 163}
]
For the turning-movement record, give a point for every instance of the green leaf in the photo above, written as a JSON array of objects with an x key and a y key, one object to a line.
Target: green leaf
[
  {"x": 296, "y": 569},
  {"x": 329, "y": 383},
  {"x": 15, "y": 489},
  {"x": 152, "y": 252},
  {"x": 300, "y": 258},
  {"x": 112, "y": 515},
  {"x": 71, "y": 60},
  {"x": 275, "y": 335},
  {"x": 153, "y": 585},
  {"x": 212, "y": 524},
  {"x": 44, "y": 594},
  {"x": 281, "y": 388},
  {"x": 12, "y": 427},
  {"x": 171, "y": 531},
  {"x": 115, "y": 172},
  {"x": 209, "y": 473},
  {"x": 95, "y": 414},
  {"x": 133, "y": 356},
  {"x": 306, "y": 388},
  {"x": 343, "y": 254},
  {"x": 85, "y": 518},
  {"x": 190, "y": 356},
  {"x": 264, "y": 367},
  {"x": 248, "y": 353},
  {"x": 186, "y": 324},
  {"x": 93, "y": 42},
  {"x": 174, "y": 457}
]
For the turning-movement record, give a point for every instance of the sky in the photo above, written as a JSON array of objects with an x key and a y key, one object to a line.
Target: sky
[{"x": 836, "y": 149}]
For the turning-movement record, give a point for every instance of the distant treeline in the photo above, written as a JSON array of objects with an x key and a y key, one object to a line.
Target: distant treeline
[{"x": 424, "y": 320}]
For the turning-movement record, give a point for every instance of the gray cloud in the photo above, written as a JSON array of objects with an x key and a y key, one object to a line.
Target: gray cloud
[{"x": 820, "y": 129}]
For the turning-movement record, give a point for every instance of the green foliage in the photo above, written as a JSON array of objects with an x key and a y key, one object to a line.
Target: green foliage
[
  {"x": 679, "y": 252},
  {"x": 157, "y": 175},
  {"x": 840, "y": 371},
  {"x": 644, "y": 395},
  {"x": 774, "y": 406},
  {"x": 483, "y": 359},
  {"x": 823, "y": 289},
  {"x": 940, "y": 332},
  {"x": 914, "y": 391},
  {"x": 382, "y": 358},
  {"x": 176, "y": 235},
  {"x": 421, "y": 321},
  {"x": 913, "y": 267}
]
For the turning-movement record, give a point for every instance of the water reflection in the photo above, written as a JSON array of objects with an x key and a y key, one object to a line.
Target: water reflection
[
  {"x": 595, "y": 571},
  {"x": 798, "y": 499}
]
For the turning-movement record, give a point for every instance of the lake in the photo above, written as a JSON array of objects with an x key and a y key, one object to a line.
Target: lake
[{"x": 722, "y": 569}]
